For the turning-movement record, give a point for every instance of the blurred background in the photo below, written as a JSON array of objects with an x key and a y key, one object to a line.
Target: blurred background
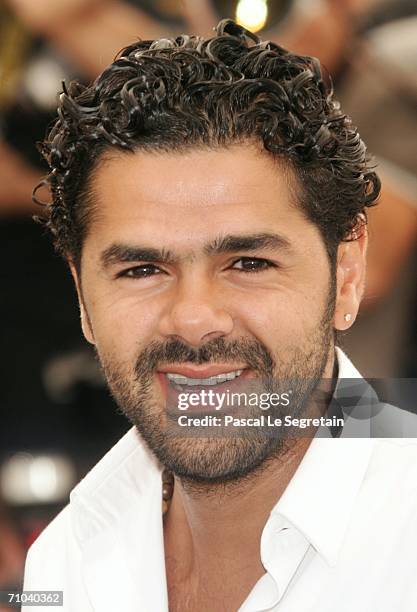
[{"x": 57, "y": 418}]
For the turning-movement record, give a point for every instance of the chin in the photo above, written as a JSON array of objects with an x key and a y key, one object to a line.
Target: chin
[{"x": 214, "y": 460}]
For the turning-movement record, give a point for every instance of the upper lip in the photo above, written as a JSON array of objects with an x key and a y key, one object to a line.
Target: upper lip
[{"x": 192, "y": 371}]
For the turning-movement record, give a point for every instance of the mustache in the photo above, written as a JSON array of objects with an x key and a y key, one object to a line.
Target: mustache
[{"x": 250, "y": 351}]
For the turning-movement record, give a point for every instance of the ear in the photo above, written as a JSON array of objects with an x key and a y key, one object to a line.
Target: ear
[
  {"x": 85, "y": 319},
  {"x": 351, "y": 270}
]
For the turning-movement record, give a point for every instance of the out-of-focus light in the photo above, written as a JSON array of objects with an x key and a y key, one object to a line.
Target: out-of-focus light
[
  {"x": 27, "y": 479},
  {"x": 252, "y": 14},
  {"x": 43, "y": 478}
]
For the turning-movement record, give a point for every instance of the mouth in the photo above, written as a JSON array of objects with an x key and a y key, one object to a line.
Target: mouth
[
  {"x": 183, "y": 379},
  {"x": 180, "y": 381}
]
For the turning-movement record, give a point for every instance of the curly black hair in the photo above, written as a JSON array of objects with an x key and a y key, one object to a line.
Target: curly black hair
[{"x": 173, "y": 94}]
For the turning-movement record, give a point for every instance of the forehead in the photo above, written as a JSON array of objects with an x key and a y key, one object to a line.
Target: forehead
[{"x": 183, "y": 199}]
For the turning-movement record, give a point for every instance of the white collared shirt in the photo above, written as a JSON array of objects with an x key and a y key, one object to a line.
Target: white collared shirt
[{"x": 342, "y": 537}]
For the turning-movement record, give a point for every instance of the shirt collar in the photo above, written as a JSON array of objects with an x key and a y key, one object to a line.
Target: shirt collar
[
  {"x": 116, "y": 514},
  {"x": 319, "y": 499}
]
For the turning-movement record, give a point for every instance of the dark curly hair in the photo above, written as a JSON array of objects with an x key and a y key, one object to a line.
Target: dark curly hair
[{"x": 172, "y": 94}]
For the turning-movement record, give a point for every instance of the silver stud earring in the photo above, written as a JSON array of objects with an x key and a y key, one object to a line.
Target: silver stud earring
[{"x": 348, "y": 317}]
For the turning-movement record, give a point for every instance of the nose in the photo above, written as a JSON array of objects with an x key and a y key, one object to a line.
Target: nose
[{"x": 195, "y": 315}]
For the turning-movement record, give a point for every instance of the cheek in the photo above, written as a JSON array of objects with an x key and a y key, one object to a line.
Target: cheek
[
  {"x": 123, "y": 326},
  {"x": 280, "y": 319}
]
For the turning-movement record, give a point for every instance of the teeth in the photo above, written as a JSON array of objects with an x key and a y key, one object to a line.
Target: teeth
[{"x": 212, "y": 380}]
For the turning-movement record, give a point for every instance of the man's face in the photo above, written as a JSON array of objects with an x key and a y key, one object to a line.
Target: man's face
[{"x": 199, "y": 264}]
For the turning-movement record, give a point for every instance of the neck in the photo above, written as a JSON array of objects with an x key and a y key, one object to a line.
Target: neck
[{"x": 217, "y": 534}]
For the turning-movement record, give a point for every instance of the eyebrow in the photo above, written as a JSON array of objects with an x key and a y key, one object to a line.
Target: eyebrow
[
  {"x": 124, "y": 253},
  {"x": 251, "y": 242}
]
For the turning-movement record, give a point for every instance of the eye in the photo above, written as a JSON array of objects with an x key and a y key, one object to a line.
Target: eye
[
  {"x": 252, "y": 264},
  {"x": 143, "y": 271}
]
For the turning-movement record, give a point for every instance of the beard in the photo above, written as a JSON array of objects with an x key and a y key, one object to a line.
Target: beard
[{"x": 220, "y": 457}]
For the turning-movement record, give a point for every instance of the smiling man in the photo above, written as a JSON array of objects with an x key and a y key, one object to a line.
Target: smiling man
[{"x": 210, "y": 197}]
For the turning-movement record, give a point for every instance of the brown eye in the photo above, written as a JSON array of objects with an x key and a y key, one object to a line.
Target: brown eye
[
  {"x": 252, "y": 264},
  {"x": 140, "y": 271}
]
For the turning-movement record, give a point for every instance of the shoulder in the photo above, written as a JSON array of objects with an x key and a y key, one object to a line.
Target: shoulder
[
  {"x": 393, "y": 454},
  {"x": 391, "y": 478},
  {"x": 57, "y": 551},
  {"x": 47, "y": 555}
]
